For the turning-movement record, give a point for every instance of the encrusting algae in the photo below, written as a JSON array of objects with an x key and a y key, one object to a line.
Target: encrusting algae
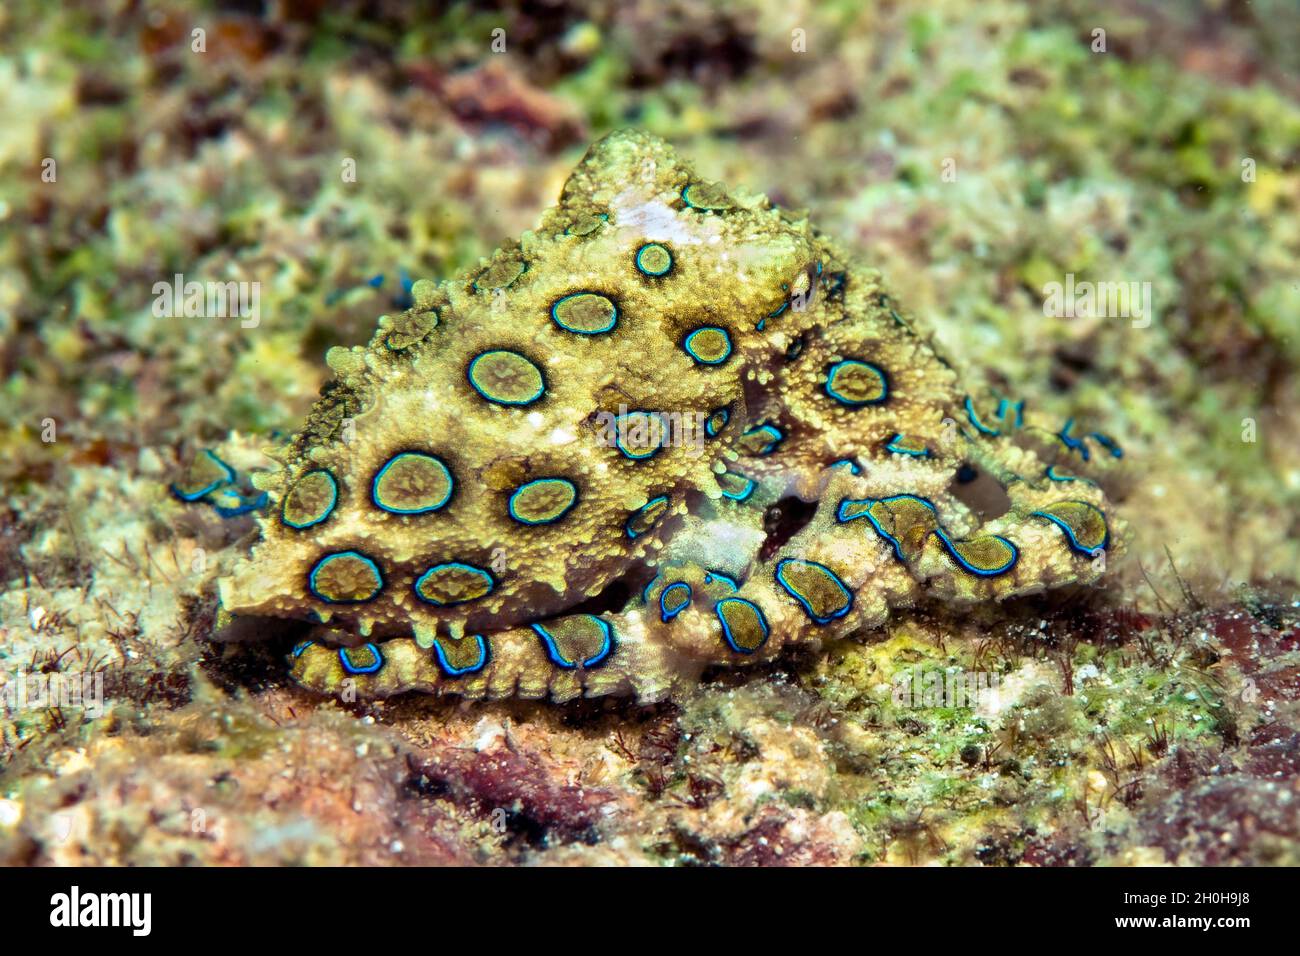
[{"x": 673, "y": 427}]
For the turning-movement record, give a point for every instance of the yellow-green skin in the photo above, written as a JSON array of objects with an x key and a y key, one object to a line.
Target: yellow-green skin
[{"x": 794, "y": 308}]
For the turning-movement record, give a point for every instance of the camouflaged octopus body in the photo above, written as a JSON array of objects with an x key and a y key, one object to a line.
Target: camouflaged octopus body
[{"x": 605, "y": 412}]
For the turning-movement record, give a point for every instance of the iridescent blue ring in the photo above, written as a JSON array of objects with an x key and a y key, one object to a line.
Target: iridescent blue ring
[
  {"x": 517, "y": 403},
  {"x": 807, "y": 606},
  {"x": 689, "y": 345},
  {"x": 510, "y": 505},
  {"x": 970, "y": 568},
  {"x": 371, "y": 668},
  {"x": 726, "y": 628},
  {"x": 491, "y": 583},
  {"x": 553, "y": 651},
  {"x": 640, "y": 266},
  {"x": 854, "y": 403},
  {"x": 445, "y": 666},
  {"x": 679, "y": 604},
  {"x": 451, "y": 485},
  {"x": 311, "y": 578}
]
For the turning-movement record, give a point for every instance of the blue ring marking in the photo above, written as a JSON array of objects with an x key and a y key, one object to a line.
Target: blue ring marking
[
  {"x": 762, "y": 323},
  {"x": 668, "y": 613},
  {"x": 230, "y": 478},
  {"x": 726, "y": 628},
  {"x": 302, "y": 646},
  {"x": 1072, "y": 443},
  {"x": 744, "y": 495},
  {"x": 709, "y": 428},
  {"x": 1004, "y": 404},
  {"x": 618, "y": 440},
  {"x": 627, "y": 525},
  {"x": 334, "y": 500},
  {"x": 351, "y": 668},
  {"x": 243, "y": 503},
  {"x": 1069, "y": 533},
  {"x": 1053, "y": 474},
  {"x": 846, "y": 503},
  {"x": 1109, "y": 444},
  {"x": 777, "y": 436},
  {"x": 854, "y": 467},
  {"x": 445, "y": 666},
  {"x": 491, "y": 581},
  {"x": 690, "y": 348},
  {"x": 469, "y": 374},
  {"x": 510, "y": 505},
  {"x": 830, "y": 378},
  {"x": 974, "y": 420},
  {"x": 613, "y": 319},
  {"x": 648, "y": 272},
  {"x": 645, "y": 592},
  {"x": 848, "y": 595},
  {"x": 711, "y": 576},
  {"x": 311, "y": 578},
  {"x": 553, "y": 652},
  {"x": 970, "y": 568},
  {"x": 451, "y": 485},
  {"x": 897, "y": 545},
  {"x": 893, "y": 446}
]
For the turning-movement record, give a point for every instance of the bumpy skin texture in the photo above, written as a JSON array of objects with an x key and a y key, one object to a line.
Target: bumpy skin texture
[{"x": 580, "y": 468}]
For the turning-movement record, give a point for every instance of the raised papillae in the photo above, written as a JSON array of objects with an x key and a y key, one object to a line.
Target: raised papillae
[{"x": 673, "y": 427}]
